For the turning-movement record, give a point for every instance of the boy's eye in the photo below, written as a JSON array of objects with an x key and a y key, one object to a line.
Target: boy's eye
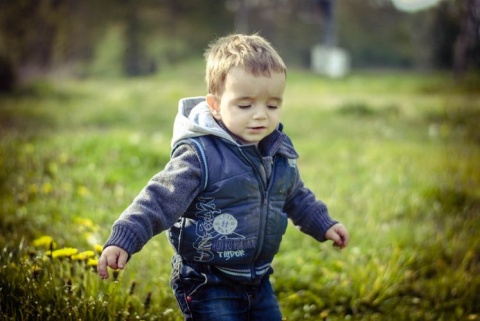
[
  {"x": 272, "y": 107},
  {"x": 244, "y": 106}
]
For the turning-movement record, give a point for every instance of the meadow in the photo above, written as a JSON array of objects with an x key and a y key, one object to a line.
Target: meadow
[{"x": 395, "y": 156}]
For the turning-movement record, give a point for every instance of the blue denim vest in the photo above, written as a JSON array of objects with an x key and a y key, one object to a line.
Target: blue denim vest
[{"x": 237, "y": 221}]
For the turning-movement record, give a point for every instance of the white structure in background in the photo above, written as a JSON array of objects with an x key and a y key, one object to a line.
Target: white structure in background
[
  {"x": 330, "y": 61},
  {"x": 326, "y": 58},
  {"x": 414, "y": 5}
]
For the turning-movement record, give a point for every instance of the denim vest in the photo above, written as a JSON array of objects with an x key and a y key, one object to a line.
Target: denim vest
[{"x": 238, "y": 219}]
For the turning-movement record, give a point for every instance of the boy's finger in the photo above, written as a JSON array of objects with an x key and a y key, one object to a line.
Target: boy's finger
[
  {"x": 336, "y": 239},
  {"x": 340, "y": 240},
  {"x": 122, "y": 260},
  {"x": 102, "y": 268},
  {"x": 112, "y": 261},
  {"x": 344, "y": 236},
  {"x": 339, "y": 244}
]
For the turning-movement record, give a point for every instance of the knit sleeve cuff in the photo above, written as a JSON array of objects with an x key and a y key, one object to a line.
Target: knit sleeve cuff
[
  {"x": 124, "y": 238},
  {"x": 319, "y": 225}
]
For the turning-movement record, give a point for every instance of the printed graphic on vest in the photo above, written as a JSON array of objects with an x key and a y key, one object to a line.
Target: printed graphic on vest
[
  {"x": 292, "y": 162},
  {"x": 216, "y": 234}
]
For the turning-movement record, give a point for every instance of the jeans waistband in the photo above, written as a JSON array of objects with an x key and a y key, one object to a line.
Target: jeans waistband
[{"x": 216, "y": 270}]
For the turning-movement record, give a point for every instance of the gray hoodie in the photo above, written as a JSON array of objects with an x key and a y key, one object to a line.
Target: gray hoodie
[{"x": 195, "y": 119}]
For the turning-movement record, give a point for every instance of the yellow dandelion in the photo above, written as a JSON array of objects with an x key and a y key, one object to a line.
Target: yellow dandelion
[
  {"x": 32, "y": 189},
  {"x": 52, "y": 168},
  {"x": 36, "y": 270},
  {"x": 29, "y": 148},
  {"x": 92, "y": 263},
  {"x": 65, "y": 252},
  {"x": 44, "y": 241},
  {"x": 63, "y": 158},
  {"x": 83, "y": 256},
  {"x": 293, "y": 297},
  {"x": 83, "y": 191},
  {"x": 98, "y": 248},
  {"x": 324, "y": 314},
  {"x": 84, "y": 222},
  {"x": 47, "y": 188}
]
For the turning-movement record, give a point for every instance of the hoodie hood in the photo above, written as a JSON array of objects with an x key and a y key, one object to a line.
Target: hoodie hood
[{"x": 195, "y": 119}]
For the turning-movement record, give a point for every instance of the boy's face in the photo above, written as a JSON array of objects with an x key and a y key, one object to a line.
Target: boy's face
[{"x": 250, "y": 105}]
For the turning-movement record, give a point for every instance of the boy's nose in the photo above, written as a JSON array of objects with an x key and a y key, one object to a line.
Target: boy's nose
[{"x": 259, "y": 113}]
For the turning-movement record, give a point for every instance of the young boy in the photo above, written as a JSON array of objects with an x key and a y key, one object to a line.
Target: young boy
[{"x": 227, "y": 192}]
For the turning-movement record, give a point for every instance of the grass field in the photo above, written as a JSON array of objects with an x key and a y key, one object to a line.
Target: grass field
[{"x": 395, "y": 156}]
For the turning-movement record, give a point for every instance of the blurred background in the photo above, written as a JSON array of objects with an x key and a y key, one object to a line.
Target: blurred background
[
  {"x": 383, "y": 107},
  {"x": 130, "y": 38}
]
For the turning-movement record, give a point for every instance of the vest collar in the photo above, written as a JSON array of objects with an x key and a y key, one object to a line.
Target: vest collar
[{"x": 275, "y": 143}]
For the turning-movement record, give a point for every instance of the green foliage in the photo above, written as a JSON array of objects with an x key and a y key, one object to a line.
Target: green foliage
[
  {"x": 107, "y": 61},
  {"x": 395, "y": 157},
  {"x": 112, "y": 37},
  {"x": 62, "y": 285}
]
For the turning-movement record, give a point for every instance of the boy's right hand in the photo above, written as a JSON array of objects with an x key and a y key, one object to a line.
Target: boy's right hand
[{"x": 113, "y": 257}]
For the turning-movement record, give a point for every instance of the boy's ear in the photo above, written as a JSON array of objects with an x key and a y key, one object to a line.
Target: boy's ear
[{"x": 214, "y": 105}]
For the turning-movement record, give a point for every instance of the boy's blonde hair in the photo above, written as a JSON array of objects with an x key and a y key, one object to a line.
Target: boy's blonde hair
[{"x": 251, "y": 52}]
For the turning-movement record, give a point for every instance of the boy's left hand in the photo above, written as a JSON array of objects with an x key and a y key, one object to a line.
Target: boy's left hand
[{"x": 338, "y": 234}]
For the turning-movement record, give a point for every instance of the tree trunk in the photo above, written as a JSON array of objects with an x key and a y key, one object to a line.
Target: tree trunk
[{"x": 468, "y": 37}]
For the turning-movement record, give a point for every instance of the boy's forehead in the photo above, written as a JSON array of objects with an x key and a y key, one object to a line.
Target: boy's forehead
[
  {"x": 242, "y": 71},
  {"x": 244, "y": 82}
]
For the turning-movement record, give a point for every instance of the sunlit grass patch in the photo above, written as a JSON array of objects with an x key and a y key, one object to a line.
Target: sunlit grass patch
[
  {"x": 394, "y": 156},
  {"x": 63, "y": 285}
]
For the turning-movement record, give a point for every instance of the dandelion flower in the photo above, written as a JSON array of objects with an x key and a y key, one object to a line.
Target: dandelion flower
[
  {"x": 98, "y": 248},
  {"x": 65, "y": 252},
  {"x": 47, "y": 188},
  {"x": 88, "y": 223},
  {"x": 83, "y": 256},
  {"x": 83, "y": 191},
  {"x": 92, "y": 263},
  {"x": 36, "y": 270},
  {"x": 44, "y": 241}
]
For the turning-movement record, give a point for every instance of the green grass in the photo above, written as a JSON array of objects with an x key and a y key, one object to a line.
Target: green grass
[{"x": 394, "y": 155}]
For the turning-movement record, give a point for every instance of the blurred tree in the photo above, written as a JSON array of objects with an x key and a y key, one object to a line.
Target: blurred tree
[
  {"x": 241, "y": 10},
  {"x": 25, "y": 33},
  {"x": 467, "y": 43},
  {"x": 327, "y": 13},
  {"x": 37, "y": 35},
  {"x": 374, "y": 32},
  {"x": 445, "y": 29},
  {"x": 144, "y": 35},
  {"x": 135, "y": 60},
  {"x": 7, "y": 75},
  {"x": 456, "y": 35},
  {"x": 378, "y": 35}
]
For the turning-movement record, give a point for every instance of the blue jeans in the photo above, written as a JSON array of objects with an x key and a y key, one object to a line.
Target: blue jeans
[{"x": 203, "y": 294}]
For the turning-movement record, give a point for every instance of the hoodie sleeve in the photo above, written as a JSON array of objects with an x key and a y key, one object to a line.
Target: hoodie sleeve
[
  {"x": 161, "y": 202},
  {"x": 306, "y": 212}
]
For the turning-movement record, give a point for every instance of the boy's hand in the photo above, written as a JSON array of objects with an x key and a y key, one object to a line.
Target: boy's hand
[
  {"x": 113, "y": 257},
  {"x": 338, "y": 234}
]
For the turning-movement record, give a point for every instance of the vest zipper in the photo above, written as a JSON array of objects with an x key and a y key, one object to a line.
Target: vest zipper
[
  {"x": 264, "y": 214},
  {"x": 264, "y": 207}
]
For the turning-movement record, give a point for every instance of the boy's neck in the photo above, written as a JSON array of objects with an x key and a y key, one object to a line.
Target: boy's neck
[
  {"x": 263, "y": 146},
  {"x": 235, "y": 138}
]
